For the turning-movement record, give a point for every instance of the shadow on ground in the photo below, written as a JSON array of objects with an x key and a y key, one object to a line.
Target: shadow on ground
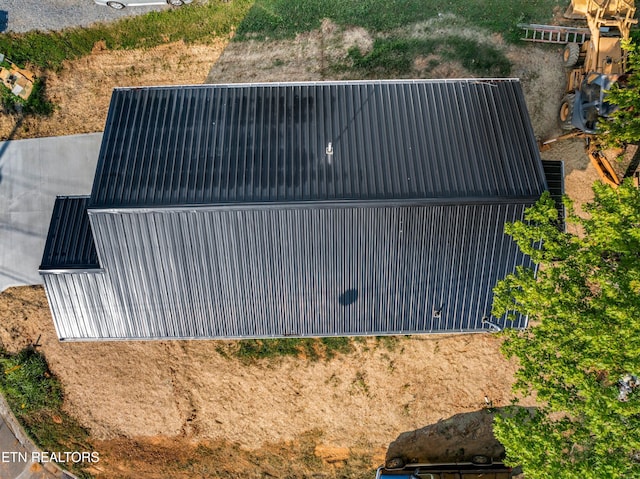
[{"x": 456, "y": 439}]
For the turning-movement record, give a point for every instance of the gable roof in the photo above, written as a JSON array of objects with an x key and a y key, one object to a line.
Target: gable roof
[
  {"x": 217, "y": 212},
  {"x": 268, "y": 143}
]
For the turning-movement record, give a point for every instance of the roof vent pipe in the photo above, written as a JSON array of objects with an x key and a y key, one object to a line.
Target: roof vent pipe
[{"x": 329, "y": 152}]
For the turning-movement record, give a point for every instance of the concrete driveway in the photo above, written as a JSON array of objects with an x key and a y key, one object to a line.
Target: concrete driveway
[{"x": 32, "y": 173}]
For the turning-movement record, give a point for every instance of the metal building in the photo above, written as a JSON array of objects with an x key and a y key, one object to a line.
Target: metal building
[{"x": 296, "y": 209}]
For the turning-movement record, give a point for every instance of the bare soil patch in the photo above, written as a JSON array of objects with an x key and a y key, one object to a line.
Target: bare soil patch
[
  {"x": 163, "y": 457},
  {"x": 354, "y": 404}
]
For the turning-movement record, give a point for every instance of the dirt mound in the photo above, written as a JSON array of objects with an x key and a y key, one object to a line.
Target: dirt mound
[{"x": 457, "y": 438}]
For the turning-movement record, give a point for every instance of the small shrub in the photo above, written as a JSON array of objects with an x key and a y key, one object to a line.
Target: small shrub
[
  {"x": 390, "y": 343},
  {"x": 37, "y": 104},
  {"x": 267, "y": 348}
]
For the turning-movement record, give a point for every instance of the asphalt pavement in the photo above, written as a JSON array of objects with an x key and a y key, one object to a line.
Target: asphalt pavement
[
  {"x": 26, "y": 15},
  {"x": 32, "y": 173}
]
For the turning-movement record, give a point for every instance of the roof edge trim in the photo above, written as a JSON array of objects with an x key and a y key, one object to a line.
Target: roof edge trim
[
  {"x": 81, "y": 270},
  {"x": 224, "y": 338},
  {"x": 328, "y": 204},
  {"x": 329, "y": 82}
]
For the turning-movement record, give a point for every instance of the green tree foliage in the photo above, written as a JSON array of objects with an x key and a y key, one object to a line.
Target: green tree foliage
[
  {"x": 623, "y": 127},
  {"x": 584, "y": 308}
]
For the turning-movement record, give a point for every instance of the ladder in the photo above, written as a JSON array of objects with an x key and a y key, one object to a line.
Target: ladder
[{"x": 553, "y": 33}]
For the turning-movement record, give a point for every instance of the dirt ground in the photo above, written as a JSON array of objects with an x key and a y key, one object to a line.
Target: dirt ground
[
  {"x": 145, "y": 394},
  {"x": 181, "y": 409}
]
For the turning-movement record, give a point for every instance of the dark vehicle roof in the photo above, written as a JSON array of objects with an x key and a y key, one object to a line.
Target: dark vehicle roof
[{"x": 447, "y": 471}]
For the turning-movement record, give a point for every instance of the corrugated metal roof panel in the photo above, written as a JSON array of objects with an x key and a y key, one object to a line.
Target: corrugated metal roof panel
[
  {"x": 216, "y": 273},
  {"x": 216, "y": 144},
  {"x": 69, "y": 241},
  {"x": 554, "y": 174}
]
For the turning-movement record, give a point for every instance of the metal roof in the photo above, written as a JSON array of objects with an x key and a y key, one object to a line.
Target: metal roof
[
  {"x": 333, "y": 141},
  {"x": 219, "y": 211},
  {"x": 69, "y": 241},
  {"x": 554, "y": 174},
  {"x": 279, "y": 272}
]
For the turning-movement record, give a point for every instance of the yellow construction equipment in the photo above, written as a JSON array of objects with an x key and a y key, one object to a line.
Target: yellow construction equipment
[
  {"x": 603, "y": 166},
  {"x": 609, "y": 22},
  {"x": 16, "y": 79},
  {"x": 597, "y": 63},
  {"x": 593, "y": 67},
  {"x": 579, "y": 9}
]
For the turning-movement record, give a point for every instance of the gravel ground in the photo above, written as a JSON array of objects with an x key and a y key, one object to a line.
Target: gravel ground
[{"x": 25, "y": 15}]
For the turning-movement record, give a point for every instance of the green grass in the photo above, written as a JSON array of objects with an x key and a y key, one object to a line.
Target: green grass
[
  {"x": 35, "y": 396},
  {"x": 286, "y": 18},
  {"x": 195, "y": 23},
  {"x": 395, "y": 56},
  {"x": 28, "y": 384},
  {"x": 313, "y": 349},
  {"x": 390, "y": 343}
]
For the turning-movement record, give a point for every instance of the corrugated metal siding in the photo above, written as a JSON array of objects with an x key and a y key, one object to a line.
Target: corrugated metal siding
[
  {"x": 83, "y": 305},
  {"x": 216, "y": 144},
  {"x": 69, "y": 241},
  {"x": 212, "y": 273}
]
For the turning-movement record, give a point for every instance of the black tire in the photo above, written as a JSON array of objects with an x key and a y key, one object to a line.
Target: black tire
[
  {"x": 566, "y": 112},
  {"x": 480, "y": 460},
  {"x": 394, "y": 463},
  {"x": 571, "y": 54},
  {"x": 116, "y": 5},
  {"x": 175, "y": 3}
]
